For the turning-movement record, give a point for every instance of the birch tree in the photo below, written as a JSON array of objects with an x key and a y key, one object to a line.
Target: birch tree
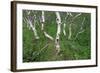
[
  {"x": 42, "y": 21},
  {"x": 42, "y": 27},
  {"x": 71, "y": 22},
  {"x": 57, "y": 40},
  {"x": 64, "y": 23},
  {"x": 31, "y": 23},
  {"x": 65, "y": 27},
  {"x": 81, "y": 30}
]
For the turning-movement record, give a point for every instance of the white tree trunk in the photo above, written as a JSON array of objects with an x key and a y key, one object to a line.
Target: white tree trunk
[
  {"x": 64, "y": 26},
  {"x": 34, "y": 30},
  {"x": 43, "y": 20},
  {"x": 70, "y": 31},
  {"x": 29, "y": 21},
  {"x": 42, "y": 27},
  {"x": 58, "y": 20}
]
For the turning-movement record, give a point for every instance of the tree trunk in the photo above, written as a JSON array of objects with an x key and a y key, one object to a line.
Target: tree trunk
[
  {"x": 43, "y": 20},
  {"x": 31, "y": 22},
  {"x": 42, "y": 27},
  {"x": 57, "y": 41}
]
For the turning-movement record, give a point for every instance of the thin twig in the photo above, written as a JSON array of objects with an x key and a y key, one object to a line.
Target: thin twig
[
  {"x": 81, "y": 28},
  {"x": 39, "y": 52}
]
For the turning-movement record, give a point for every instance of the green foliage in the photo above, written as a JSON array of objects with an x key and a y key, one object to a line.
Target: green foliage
[{"x": 43, "y": 49}]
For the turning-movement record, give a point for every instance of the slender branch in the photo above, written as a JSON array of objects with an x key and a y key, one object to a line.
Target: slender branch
[
  {"x": 48, "y": 36},
  {"x": 26, "y": 21},
  {"x": 64, "y": 29},
  {"x": 69, "y": 13},
  {"x": 35, "y": 54},
  {"x": 81, "y": 28},
  {"x": 70, "y": 31},
  {"x": 82, "y": 23},
  {"x": 70, "y": 25},
  {"x": 77, "y": 16}
]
